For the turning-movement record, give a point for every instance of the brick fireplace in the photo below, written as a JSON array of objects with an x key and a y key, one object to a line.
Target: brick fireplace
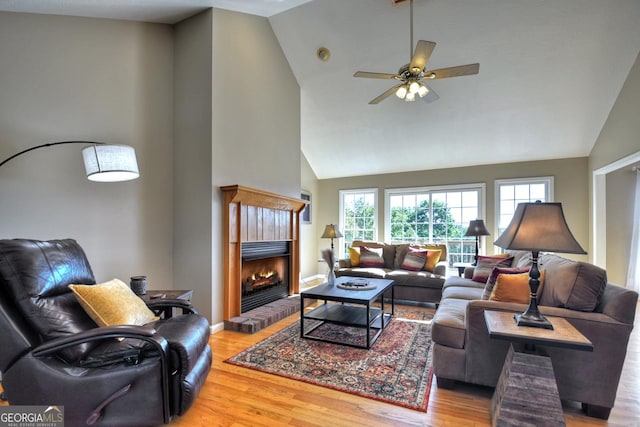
[{"x": 261, "y": 248}]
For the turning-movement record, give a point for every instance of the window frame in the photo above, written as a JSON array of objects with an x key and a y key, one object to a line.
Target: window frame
[
  {"x": 341, "y": 193},
  {"x": 480, "y": 187},
  {"x": 548, "y": 181}
]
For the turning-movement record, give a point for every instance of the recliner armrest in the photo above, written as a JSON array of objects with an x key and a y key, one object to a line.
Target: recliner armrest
[
  {"x": 172, "y": 303},
  {"x": 124, "y": 331}
]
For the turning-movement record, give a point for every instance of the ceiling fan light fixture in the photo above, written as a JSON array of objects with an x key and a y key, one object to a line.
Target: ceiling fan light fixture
[
  {"x": 423, "y": 90},
  {"x": 401, "y": 92},
  {"x": 414, "y": 87},
  {"x": 410, "y": 97}
]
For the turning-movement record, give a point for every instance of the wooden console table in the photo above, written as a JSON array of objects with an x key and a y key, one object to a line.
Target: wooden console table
[{"x": 527, "y": 393}]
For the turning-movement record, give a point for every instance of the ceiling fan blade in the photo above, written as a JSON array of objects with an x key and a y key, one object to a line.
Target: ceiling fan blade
[
  {"x": 385, "y": 95},
  {"x": 369, "y": 75},
  {"x": 421, "y": 54},
  {"x": 431, "y": 95},
  {"x": 460, "y": 70}
]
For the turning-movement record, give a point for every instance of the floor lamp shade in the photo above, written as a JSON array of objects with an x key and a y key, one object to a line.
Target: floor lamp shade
[
  {"x": 331, "y": 231},
  {"x": 477, "y": 229},
  {"x": 110, "y": 163}
]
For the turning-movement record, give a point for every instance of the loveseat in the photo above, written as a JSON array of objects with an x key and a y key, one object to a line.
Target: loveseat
[
  {"x": 576, "y": 291},
  {"x": 419, "y": 284}
]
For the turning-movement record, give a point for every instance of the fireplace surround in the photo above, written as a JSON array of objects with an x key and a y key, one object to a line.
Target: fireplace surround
[{"x": 258, "y": 220}]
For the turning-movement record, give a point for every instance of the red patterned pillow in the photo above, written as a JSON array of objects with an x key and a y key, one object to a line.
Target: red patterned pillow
[
  {"x": 414, "y": 260},
  {"x": 485, "y": 266},
  {"x": 371, "y": 257}
]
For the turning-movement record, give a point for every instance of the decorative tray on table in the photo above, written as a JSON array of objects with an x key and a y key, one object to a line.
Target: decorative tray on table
[{"x": 357, "y": 285}]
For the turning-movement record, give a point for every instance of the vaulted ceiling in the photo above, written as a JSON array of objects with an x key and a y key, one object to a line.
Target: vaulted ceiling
[{"x": 550, "y": 72}]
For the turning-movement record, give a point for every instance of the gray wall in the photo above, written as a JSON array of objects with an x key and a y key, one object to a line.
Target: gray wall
[
  {"x": 570, "y": 178},
  {"x": 68, "y": 78},
  {"x": 620, "y": 137},
  {"x": 192, "y": 232},
  {"x": 193, "y": 125}
]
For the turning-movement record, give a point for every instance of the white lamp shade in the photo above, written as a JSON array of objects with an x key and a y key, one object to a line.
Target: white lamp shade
[{"x": 110, "y": 163}]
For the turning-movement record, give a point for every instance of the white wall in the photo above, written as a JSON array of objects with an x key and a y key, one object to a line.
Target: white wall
[{"x": 68, "y": 78}]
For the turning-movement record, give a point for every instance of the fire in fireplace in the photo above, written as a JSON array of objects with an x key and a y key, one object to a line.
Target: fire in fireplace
[{"x": 265, "y": 273}]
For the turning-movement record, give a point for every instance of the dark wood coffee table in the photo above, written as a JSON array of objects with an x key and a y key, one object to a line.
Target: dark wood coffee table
[{"x": 348, "y": 307}]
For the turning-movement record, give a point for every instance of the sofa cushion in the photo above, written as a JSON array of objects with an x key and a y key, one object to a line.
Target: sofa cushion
[
  {"x": 491, "y": 281},
  {"x": 375, "y": 273},
  {"x": 514, "y": 288},
  {"x": 448, "y": 323},
  {"x": 485, "y": 266},
  {"x": 433, "y": 257},
  {"x": 462, "y": 292},
  {"x": 415, "y": 278},
  {"x": 414, "y": 260},
  {"x": 401, "y": 252},
  {"x": 371, "y": 257},
  {"x": 571, "y": 284},
  {"x": 354, "y": 256}
]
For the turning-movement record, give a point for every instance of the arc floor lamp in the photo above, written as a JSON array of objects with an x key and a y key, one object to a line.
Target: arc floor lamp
[{"x": 102, "y": 162}]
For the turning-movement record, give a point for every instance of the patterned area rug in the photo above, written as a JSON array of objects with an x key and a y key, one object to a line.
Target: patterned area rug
[{"x": 397, "y": 368}]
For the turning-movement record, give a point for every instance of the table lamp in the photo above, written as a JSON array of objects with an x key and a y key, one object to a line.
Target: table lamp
[
  {"x": 538, "y": 227},
  {"x": 477, "y": 229},
  {"x": 331, "y": 232}
]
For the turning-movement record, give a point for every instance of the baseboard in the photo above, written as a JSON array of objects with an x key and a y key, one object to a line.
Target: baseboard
[
  {"x": 305, "y": 281},
  {"x": 217, "y": 328}
]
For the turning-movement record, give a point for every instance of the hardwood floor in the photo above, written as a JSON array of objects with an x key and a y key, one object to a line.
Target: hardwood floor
[{"x": 235, "y": 396}]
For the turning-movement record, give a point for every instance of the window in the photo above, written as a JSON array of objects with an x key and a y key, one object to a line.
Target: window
[
  {"x": 358, "y": 216},
  {"x": 435, "y": 215},
  {"x": 511, "y": 192}
]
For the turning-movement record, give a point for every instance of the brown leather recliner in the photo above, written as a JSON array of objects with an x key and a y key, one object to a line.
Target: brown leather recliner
[{"x": 53, "y": 353}]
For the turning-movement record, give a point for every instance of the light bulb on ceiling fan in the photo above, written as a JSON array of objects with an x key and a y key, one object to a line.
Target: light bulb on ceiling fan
[
  {"x": 414, "y": 87},
  {"x": 423, "y": 90},
  {"x": 410, "y": 97},
  {"x": 401, "y": 92}
]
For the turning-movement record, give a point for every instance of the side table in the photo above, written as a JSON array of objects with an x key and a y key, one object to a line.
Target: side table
[
  {"x": 155, "y": 295},
  {"x": 461, "y": 266},
  {"x": 527, "y": 393}
]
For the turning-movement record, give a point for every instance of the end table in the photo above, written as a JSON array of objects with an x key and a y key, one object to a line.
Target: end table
[
  {"x": 515, "y": 400},
  {"x": 156, "y": 295}
]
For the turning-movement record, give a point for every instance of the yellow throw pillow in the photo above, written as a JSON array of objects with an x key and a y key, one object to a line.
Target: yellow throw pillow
[
  {"x": 113, "y": 303},
  {"x": 514, "y": 288},
  {"x": 354, "y": 256},
  {"x": 433, "y": 257}
]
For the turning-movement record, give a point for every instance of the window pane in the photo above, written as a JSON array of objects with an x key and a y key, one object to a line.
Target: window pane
[{"x": 424, "y": 216}]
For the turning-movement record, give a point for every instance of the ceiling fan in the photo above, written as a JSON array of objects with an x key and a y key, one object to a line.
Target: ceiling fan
[{"x": 413, "y": 74}]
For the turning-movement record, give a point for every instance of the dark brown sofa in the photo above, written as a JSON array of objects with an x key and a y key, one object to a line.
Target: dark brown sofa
[
  {"x": 418, "y": 286},
  {"x": 576, "y": 291}
]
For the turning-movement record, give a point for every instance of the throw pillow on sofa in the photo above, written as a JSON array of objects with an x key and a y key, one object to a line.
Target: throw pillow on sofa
[
  {"x": 485, "y": 266},
  {"x": 414, "y": 260},
  {"x": 433, "y": 257},
  {"x": 354, "y": 256},
  {"x": 572, "y": 284},
  {"x": 514, "y": 288},
  {"x": 371, "y": 257},
  {"x": 491, "y": 281}
]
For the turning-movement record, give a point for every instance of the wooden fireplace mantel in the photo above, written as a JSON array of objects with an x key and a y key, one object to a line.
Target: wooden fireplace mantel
[{"x": 252, "y": 215}]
